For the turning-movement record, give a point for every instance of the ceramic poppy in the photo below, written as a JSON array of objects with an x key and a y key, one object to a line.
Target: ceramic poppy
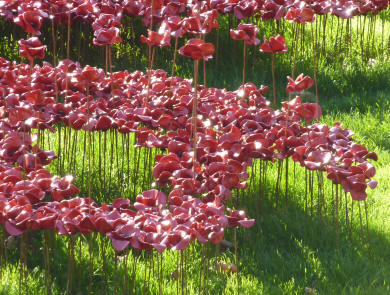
[
  {"x": 274, "y": 45},
  {"x": 246, "y": 32},
  {"x": 31, "y": 48},
  {"x": 197, "y": 49}
]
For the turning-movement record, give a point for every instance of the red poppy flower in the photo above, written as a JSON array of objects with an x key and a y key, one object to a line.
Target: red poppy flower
[
  {"x": 238, "y": 217},
  {"x": 150, "y": 198},
  {"x": 345, "y": 10},
  {"x": 43, "y": 218},
  {"x": 273, "y": 10},
  {"x": 31, "y": 21},
  {"x": 165, "y": 167},
  {"x": 28, "y": 189},
  {"x": 175, "y": 26},
  {"x": 42, "y": 178},
  {"x": 132, "y": 8},
  {"x": 301, "y": 16},
  {"x": 245, "y": 9},
  {"x": 89, "y": 75},
  {"x": 200, "y": 23},
  {"x": 105, "y": 21},
  {"x": 31, "y": 48},
  {"x": 106, "y": 36},
  {"x": 233, "y": 135},
  {"x": 356, "y": 185},
  {"x": 192, "y": 25},
  {"x": 178, "y": 240},
  {"x": 83, "y": 11},
  {"x": 14, "y": 145},
  {"x": 209, "y": 20},
  {"x": 246, "y": 32},
  {"x": 317, "y": 160},
  {"x": 322, "y": 7},
  {"x": 216, "y": 236},
  {"x": 77, "y": 120},
  {"x": 157, "y": 39},
  {"x": 17, "y": 218},
  {"x": 274, "y": 45},
  {"x": 104, "y": 123},
  {"x": 309, "y": 111},
  {"x": 197, "y": 49},
  {"x": 38, "y": 98},
  {"x": 62, "y": 188},
  {"x": 301, "y": 83}
]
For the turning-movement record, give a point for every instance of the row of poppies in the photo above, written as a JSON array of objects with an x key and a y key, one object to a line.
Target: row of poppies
[
  {"x": 239, "y": 127},
  {"x": 194, "y": 17},
  {"x": 170, "y": 102},
  {"x": 146, "y": 224}
]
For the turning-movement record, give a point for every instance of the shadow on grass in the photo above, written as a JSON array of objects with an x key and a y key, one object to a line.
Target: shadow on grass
[{"x": 288, "y": 251}]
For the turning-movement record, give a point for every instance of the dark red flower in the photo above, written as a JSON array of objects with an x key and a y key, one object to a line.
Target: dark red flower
[
  {"x": 14, "y": 145},
  {"x": 17, "y": 218},
  {"x": 132, "y": 8},
  {"x": 299, "y": 84},
  {"x": 178, "y": 240},
  {"x": 42, "y": 178},
  {"x": 274, "y": 45},
  {"x": 157, "y": 39},
  {"x": 246, "y": 32},
  {"x": 356, "y": 185},
  {"x": 245, "y": 9},
  {"x": 62, "y": 188},
  {"x": 31, "y": 21},
  {"x": 317, "y": 160},
  {"x": 197, "y": 49},
  {"x": 28, "y": 189},
  {"x": 200, "y": 23},
  {"x": 174, "y": 25},
  {"x": 272, "y": 10},
  {"x": 309, "y": 111},
  {"x": 77, "y": 120},
  {"x": 301, "y": 16},
  {"x": 165, "y": 167},
  {"x": 104, "y": 123},
  {"x": 151, "y": 198},
  {"x": 89, "y": 75},
  {"x": 31, "y": 48},
  {"x": 238, "y": 217},
  {"x": 233, "y": 135},
  {"x": 106, "y": 36},
  {"x": 43, "y": 218},
  {"x": 105, "y": 21}
]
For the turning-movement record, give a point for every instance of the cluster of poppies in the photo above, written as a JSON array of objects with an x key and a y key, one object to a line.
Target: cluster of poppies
[
  {"x": 233, "y": 128},
  {"x": 199, "y": 17},
  {"x": 31, "y": 198}
]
